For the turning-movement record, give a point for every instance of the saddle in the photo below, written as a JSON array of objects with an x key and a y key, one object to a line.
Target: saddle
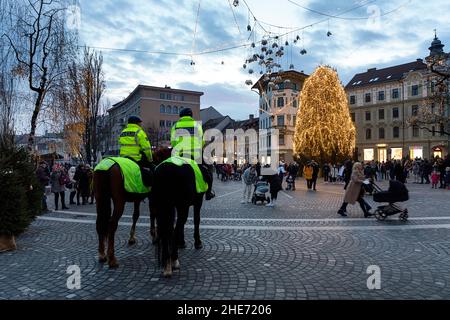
[{"x": 133, "y": 174}]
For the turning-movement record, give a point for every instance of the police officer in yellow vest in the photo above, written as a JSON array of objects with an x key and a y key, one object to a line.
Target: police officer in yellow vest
[
  {"x": 186, "y": 137},
  {"x": 134, "y": 144}
]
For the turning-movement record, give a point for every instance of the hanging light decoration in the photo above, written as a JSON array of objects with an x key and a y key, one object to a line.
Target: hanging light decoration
[
  {"x": 250, "y": 71},
  {"x": 291, "y": 66},
  {"x": 329, "y": 34},
  {"x": 249, "y": 28},
  {"x": 303, "y": 52},
  {"x": 244, "y": 66},
  {"x": 248, "y": 82},
  {"x": 235, "y": 3},
  {"x": 286, "y": 43}
]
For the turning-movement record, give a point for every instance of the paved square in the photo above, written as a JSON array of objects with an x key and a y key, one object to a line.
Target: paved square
[{"x": 301, "y": 249}]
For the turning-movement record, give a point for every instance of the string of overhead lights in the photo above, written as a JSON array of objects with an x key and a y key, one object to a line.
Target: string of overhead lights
[{"x": 268, "y": 34}]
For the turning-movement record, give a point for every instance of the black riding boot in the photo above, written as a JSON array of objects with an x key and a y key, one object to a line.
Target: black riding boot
[{"x": 207, "y": 176}]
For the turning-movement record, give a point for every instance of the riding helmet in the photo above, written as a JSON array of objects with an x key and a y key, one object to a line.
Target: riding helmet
[
  {"x": 134, "y": 119},
  {"x": 186, "y": 112}
]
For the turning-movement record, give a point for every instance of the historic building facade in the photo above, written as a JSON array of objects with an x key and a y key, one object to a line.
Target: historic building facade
[
  {"x": 159, "y": 109},
  {"x": 381, "y": 102},
  {"x": 278, "y": 106}
]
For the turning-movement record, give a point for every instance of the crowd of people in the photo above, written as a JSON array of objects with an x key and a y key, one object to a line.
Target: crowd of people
[
  {"x": 350, "y": 174},
  {"x": 61, "y": 178}
]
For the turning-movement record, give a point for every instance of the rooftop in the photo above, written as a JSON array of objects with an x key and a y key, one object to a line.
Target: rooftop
[{"x": 377, "y": 76}]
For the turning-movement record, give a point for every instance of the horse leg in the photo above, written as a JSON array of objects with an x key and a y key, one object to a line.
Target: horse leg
[
  {"x": 169, "y": 249},
  {"x": 153, "y": 229},
  {"x": 197, "y": 208},
  {"x": 182, "y": 216},
  {"x": 136, "y": 214},
  {"x": 103, "y": 204}
]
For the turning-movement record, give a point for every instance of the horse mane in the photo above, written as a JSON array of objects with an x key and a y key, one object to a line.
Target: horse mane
[{"x": 161, "y": 154}]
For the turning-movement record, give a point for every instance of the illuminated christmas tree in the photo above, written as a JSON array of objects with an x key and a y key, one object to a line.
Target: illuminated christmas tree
[{"x": 324, "y": 130}]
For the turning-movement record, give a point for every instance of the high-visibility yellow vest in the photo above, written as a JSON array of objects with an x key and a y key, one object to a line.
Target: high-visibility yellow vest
[
  {"x": 200, "y": 185},
  {"x": 133, "y": 140},
  {"x": 186, "y": 137}
]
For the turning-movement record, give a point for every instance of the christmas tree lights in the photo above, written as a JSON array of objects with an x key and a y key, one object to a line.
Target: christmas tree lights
[{"x": 324, "y": 130}]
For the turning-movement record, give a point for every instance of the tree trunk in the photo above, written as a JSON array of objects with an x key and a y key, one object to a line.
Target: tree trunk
[
  {"x": 7, "y": 243},
  {"x": 37, "y": 109}
]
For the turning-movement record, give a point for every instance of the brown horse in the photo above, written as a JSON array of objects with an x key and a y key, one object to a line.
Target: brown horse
[{"x": 109, "y": 185}]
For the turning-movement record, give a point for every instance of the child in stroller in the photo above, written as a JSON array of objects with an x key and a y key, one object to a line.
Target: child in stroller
[
  {"x": 261, "y": 189},
  {"x": 397, "y": 192},
  {"x": 290, "y": 183}
]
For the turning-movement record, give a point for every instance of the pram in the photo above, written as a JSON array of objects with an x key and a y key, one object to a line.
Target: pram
[
  {"x": 259, "y": 194},
  {"x": 397, "y": 192},
  {"x": 290, "y": 183}
]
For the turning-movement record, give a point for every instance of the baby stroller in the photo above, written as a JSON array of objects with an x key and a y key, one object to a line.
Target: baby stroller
[
  {"x": 259, "y": 194},
  {"x": 397, "y": 192},
  {"x": 290, "y": 183}
]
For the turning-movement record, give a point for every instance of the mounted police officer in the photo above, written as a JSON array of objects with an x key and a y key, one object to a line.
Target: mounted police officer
[
  {"x": 134, "y": 144},
  {"x": 186, "y": 137}
]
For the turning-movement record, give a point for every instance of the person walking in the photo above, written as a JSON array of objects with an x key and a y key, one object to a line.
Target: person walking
[
  {"x": 58, "y": 180},
  {"x": 43, "y": 177},
  {"x": 354, "y": 192},
  {"x": 249, "y": 178},
  {"x": 72, "y": 185},
  {"x": 308, "y": 175},
  {"x": 326, "y": 172},
  {"x": 275, "y": 187},
  {"x": 347, "y": 173},
  {"x": 281, "y": 171},
  {"x": 293, "y": 171},
  {"x": 315, "y": 175}
]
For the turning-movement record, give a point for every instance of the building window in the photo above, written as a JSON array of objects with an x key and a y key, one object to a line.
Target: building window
[
  {"x": 368, "y": 116},
  {"x": 414, "y": 110},
  {"x": 432, "y": 107},
  {"x": 168, "y": 123},
  {"x": 169, "y": 96},
  {"x": 162, "y": 123},
  {"x": 294, "y": 119},
  {"x": 280, "y": 102},
  {"x": 416, "y": 152},
  {"x": 352, "y": 99},
  {"x": 162, "y": 96},
  {"x": 280, "y": 120},
  {"x": 352, "y": 115},
  {"x": 294, "y": 103},
  {"x": 162, "y": 109},
  {"x": 381, "y": 133},
  {"x": 433, "y": 131},
  {"x": 368, "y": 97},
  {"x": 175, "y": 110},
  {"x": 380, "y": 95},
  {"x": 395, "y": 113},
  {"x": 169, "y": 109},
  {"x": 368, "y": 155},
  {"x": 395, "y": 93},
  {"x": 442, "y": 130},
  {"x": 368, "y": 134},
  {"x": 415, "y": 90},
  {"x": 381, "y": 114},
  {"x": 281, "y": 139},
  {"x": 396, "y": 153},
  {"x": 396, "y": 132},
  {"x": 415, "y": 131}
]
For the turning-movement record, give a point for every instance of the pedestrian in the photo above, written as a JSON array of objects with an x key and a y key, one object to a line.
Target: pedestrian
[
  {"x": 275, "y": 187},
  {"x": 293, "y": 171},
  {"x": 354, "y": 192},
  {"x": 43, "y": 177},
  {"x": 447, "y": 177},
  {"x": 435, "y": 177},
  {"x": 249, "y": 179},
  {"x": 58, "y": 181},
  {"x": 347, "y": 173},
  {"x": 72, "y": 186},
  {"x": 326, "y": 172},
  {"x": 308, "y": 175},
  {"x": 281, "y": 171},
  {"x": 315, "y": 174}
]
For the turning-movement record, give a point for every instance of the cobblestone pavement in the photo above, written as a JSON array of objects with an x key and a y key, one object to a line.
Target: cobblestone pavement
[{"x": 301, "y": 249}]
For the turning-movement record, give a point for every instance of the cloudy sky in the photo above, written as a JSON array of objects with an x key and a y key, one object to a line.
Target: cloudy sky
[{"x": 149, "y": 32}]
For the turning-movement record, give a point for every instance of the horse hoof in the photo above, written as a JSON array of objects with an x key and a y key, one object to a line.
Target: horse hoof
[
  {"x": 168, "y": 271},
  {"x": 102, "y": 258},
  {"x": 198, "y": 245},
  {"x": 182, "y": 245},
  {"x": 113, "y": 264},
  {"x": 131, "y": 242},
  {"x": 176, "y": 265}
]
